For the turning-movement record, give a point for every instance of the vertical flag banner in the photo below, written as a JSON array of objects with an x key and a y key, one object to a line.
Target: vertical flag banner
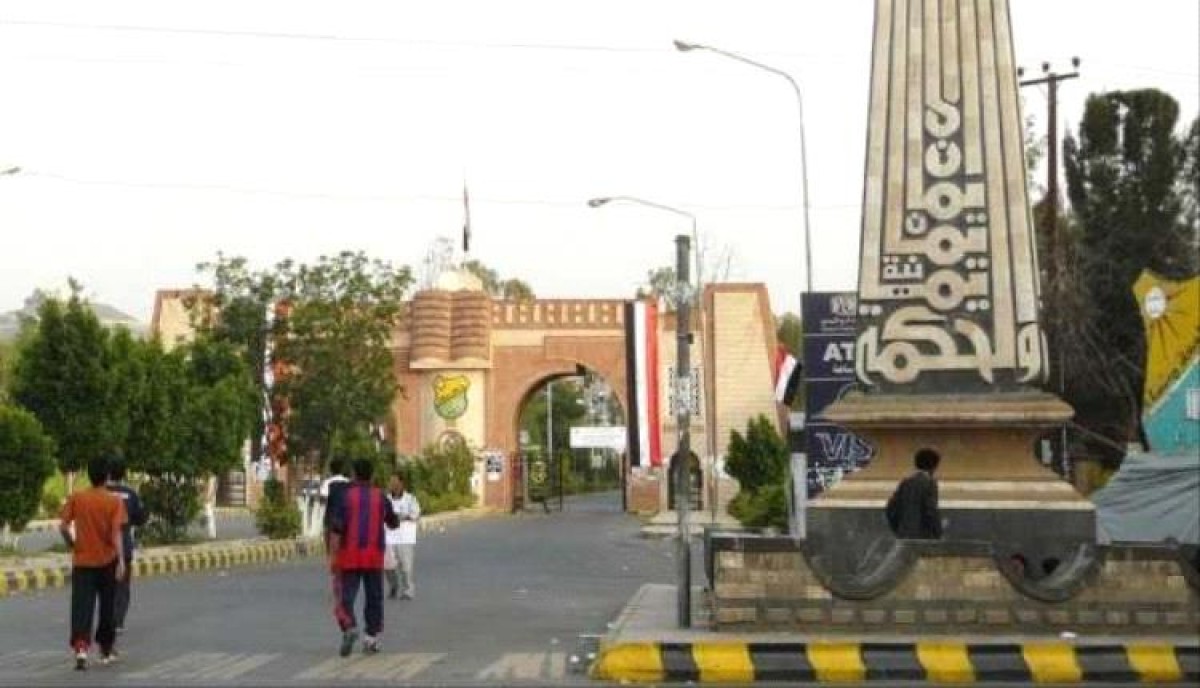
[{"x": 641, "y": 371}]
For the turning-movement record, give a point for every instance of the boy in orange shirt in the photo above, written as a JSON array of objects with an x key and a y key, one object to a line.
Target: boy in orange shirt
[{"x": 97, "y": 562}]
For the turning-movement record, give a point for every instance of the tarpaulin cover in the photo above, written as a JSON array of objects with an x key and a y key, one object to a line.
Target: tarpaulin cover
[{"x": 1151, "y": 498}]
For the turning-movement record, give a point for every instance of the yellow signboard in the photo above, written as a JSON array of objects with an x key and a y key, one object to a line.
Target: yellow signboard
[{"x": 1171, "y": 315}]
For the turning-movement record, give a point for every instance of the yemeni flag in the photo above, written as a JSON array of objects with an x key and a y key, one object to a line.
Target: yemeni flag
[
  {"x": 641, "y": 376},
  {"x": 787, "y": 376}
]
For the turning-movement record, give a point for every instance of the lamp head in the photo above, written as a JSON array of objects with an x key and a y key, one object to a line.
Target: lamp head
[
  {"x": 1075, "y": 62},
  {"x": 597, "y": 202},
  {"x": 683, "y": 47},
  {"x": 10, "y": 170}
]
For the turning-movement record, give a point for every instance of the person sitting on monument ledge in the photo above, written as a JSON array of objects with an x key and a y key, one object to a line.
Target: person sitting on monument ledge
[{"x": 912, "y": 511}]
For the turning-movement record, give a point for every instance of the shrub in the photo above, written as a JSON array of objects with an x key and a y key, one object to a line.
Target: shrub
[
  {"x": 277, "y": 517},
  {"x": 171, "y": 503},
  {"x": 26, "y": 461},
  {"x": 759, "y": 463}
]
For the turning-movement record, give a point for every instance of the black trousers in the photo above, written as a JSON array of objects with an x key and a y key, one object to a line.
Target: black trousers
[
  {"x": 371, "y": 581},
  {"x": 123, "y": 594},
  {"x": 92, "y": 586}
]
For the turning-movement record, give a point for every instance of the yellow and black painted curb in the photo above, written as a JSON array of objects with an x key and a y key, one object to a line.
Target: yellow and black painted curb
[
  {"x": 151, "y": 563},
  {"x": 932, "y": 662}
]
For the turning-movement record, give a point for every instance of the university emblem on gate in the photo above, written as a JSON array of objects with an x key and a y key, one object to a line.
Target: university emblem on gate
[{"x": 450, "y": 395}]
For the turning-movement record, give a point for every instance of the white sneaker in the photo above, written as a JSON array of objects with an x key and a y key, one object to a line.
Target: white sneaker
[
  {"x": 109, "y": 658},
  {"x": 370, "y": 645},
  {"x": 81, "y": 660}
]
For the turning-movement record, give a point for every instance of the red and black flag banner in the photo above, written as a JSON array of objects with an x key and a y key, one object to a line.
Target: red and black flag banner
[
  {"x": 787, "y": 376},
  {"x": 641, "y": 372}
]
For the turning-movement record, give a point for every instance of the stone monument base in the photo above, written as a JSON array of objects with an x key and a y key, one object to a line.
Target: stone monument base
[{"x": 991, "y": 488}]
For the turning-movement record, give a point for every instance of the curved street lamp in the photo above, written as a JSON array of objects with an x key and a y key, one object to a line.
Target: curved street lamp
[
  {"x": 11, "y": 170},
  {"x": 605, "y": 200},
  {"x": 684, "y": 47}
]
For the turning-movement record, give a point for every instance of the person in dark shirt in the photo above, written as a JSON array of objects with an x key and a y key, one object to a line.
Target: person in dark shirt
[
  {"x": 329, "y": 493},
  {"x": 357, "y": 542},
  {"x": 135, "y": 518},
  {"x": 912, "y": 511}
]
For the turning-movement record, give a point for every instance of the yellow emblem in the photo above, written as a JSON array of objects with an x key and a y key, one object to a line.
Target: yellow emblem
[{"x": 450, "y": 395}]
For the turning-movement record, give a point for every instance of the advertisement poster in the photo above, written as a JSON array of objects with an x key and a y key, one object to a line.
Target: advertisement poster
[{"x": 829, "y": 333}]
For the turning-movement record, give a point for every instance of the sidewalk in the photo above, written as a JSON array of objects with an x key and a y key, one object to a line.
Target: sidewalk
[
  {"x": 45, "y": 571},
  {"x": 645, "y": 646}
]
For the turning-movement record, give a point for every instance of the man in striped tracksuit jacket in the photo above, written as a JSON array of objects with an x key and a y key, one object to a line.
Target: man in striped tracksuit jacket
[{"x": 356, "y": 555}]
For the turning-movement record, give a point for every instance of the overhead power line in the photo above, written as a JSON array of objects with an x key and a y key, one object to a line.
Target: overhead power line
[{"x": 394, "y": 197}]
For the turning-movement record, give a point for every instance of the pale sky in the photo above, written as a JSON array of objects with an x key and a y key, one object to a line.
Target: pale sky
[{"x": 153, "y": 133}]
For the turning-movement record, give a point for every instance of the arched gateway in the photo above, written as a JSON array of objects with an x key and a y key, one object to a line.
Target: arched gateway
[{"x": 466, "y": 363}]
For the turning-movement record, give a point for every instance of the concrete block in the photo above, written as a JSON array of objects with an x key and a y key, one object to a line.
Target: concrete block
[
  {"x": 1089, "y": 617},
  {"x": 739, "y": 591},
  {"x": 936, "y": 616},
  {"x": 966, "y": 615},
  {"x": 779, "y": 615},
  {"x": 817, "y": 592},
  {"x": 874, "y": 616},
  {"x": 843, "y": 616},
  {"x": 980, "y": 579},
  {"x": 1117, "y": 618},
  {"x": 1176, "y": 582},
  {"x": 1175, "y": 618},
  {"x": 732, "y": 615},
  {"x": 997, "y": 617},
  {"x": 730, "y": 560},
  {"x": 924, "y": 592},
  {"x": 1146, "y": 618},
  {"x": 1058, "y": 617},
  {"x": 811, "y": 616},
  {"x": 905, "y": 616},
  {"x": 1028, "y": 616}
]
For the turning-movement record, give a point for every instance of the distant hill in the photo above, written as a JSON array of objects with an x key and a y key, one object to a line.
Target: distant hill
[{"x": 10, "y": 322}]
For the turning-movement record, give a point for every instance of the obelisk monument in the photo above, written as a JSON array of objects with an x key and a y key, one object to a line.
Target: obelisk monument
[{"x": 950, "y": 354}]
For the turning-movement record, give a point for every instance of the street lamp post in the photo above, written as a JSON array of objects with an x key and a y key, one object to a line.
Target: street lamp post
[
  {"x": 684, "y": 47},
  {"x": 10, "y": 170},
  {"x": 709, "y": 425},
  {"x": 682, "y": 382}
]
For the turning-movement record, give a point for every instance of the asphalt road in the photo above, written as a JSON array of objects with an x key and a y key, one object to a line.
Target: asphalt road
[{"x": 502, "y": 600}]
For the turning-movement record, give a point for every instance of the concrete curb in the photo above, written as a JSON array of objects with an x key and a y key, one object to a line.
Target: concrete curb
[
  {"x": 932, "y": 662},
  {"x": 43, "y": 575},
  {"x": 55, "y": 572}
]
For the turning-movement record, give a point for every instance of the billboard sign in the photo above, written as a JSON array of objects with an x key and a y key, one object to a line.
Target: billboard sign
[{"x": 829, "y": 335}]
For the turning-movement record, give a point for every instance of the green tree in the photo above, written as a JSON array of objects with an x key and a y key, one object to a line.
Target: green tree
[
  {"x": 512, "y": 289},
  {"x": 789, "y": 330},
  {"x": 758, "y": 460},
  {"x": 26, "y": 462},
  {"x": 660, "y": 282},
  {"x": 1126, "y": 180},
  {"x": 238, "y": 311},
  {"x": 337, "y": 332},
  {"x": 63, "y": 376},
  {"x": 190, "y": 413}
]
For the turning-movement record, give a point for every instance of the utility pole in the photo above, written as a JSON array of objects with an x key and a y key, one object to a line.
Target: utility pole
[
  {"x": 1057, "y": 266},
  {"x": 683, "y": 400}
]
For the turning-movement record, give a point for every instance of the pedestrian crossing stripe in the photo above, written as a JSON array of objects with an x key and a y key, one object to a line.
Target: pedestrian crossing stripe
[
  {"x": 526, "y": 666},
  {"x": 402, "y": 666},
  {"x": 205, "y": 666}
]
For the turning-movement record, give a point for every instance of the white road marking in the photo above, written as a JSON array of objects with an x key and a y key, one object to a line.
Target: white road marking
[
  {"x": 526, "y": 666},
  {"x": 385, "y": 666}
]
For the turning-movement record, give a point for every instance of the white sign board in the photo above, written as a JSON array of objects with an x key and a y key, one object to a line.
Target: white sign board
[{"x": 598, "y": 437}]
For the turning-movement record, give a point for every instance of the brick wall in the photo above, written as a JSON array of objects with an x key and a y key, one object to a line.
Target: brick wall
[{"x": 777, "y": 590}]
